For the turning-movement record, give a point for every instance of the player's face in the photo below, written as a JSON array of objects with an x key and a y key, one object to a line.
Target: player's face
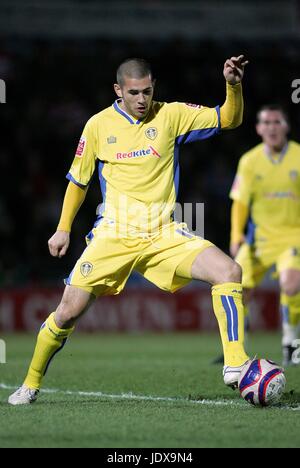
[
  {"x": 273, "y": 129},
  {"x": 136, "y": 96}
]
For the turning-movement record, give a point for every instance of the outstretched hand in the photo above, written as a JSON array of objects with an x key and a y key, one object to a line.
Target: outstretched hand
[{"x": 234, "y": 69}]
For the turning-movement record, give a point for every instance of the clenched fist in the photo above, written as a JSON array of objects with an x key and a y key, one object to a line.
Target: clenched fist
[{"x": 59, "y": 243}]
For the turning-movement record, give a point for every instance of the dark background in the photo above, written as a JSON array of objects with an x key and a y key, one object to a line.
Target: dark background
[{"x": 55, "y": 84}]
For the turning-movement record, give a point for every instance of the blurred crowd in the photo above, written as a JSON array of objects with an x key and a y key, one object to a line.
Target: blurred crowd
[{"x": 54, "y": 87}]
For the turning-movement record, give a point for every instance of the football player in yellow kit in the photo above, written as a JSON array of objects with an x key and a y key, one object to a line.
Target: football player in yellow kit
[
  {"x": 134, "y": 145},
  {"x": 266, "y": 192}
]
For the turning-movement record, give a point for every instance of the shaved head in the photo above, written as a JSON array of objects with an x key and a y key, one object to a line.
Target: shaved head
[{"x": 133, "y": 68}]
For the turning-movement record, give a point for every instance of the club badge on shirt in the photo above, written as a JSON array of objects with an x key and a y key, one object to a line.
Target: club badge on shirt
[
  {"x": 151, "y": 133},
  {"x": 86, "y": 268}
]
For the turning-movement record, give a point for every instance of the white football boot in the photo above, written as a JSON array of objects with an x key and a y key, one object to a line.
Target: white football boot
[
  {"x": 231, "y": 375},
  {"x": 23, "y": 396}
]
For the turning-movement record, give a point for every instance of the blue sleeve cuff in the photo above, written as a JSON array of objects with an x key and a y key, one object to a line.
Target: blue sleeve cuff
[{"x": 71, "y": 179}]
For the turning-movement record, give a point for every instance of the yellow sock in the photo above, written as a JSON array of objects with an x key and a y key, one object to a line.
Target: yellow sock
[
  {"x": 290, "y": 308},
  {"x": 50, "y": 341},
  {"x": 229, "y": 310}
]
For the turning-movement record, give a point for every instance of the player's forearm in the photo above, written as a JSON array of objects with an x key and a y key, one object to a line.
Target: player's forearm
[
  {"x": 73, "y": 200},
  {"x": 239, "y": 217},
  {"x": 233, "y": 108}
]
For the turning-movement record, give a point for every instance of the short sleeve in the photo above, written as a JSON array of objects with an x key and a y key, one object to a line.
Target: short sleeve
[
  {"x": 241, "y": 188},
  {"x": 192, "y": 122},
  {"x": 84, "y": 162}
]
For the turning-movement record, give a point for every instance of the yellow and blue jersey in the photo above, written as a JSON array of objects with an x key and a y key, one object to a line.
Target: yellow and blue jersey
[
  {"x": 138, "y": 160},
  {"x": 270, "y": 187}
]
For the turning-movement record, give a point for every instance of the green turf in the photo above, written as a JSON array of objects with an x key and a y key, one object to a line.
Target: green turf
[{"x": 175, "y": 366}]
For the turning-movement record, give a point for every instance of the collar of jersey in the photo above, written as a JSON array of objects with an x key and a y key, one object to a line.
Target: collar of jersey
[
  {"x": 282, "y": 154},
  {"x": 124, "y": 114}
]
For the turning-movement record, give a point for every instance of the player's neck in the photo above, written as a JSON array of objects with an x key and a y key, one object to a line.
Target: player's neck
[
  {"x": 275, "y": 150},
  {"x": 122, "y": 106}
]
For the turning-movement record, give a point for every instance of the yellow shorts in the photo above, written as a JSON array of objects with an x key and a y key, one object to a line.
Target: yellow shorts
[
  {"x": 255, "y": 266},
  {"x": 110, "y": 258}
]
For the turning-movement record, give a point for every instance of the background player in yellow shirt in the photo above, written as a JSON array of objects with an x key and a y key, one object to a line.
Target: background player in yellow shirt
[
  {"x": 134, "y": 146},
  {"x": 266, "y": 192}
]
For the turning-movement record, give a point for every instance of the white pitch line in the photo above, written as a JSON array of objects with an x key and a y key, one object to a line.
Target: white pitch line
[{"x": 132, "y": 396}]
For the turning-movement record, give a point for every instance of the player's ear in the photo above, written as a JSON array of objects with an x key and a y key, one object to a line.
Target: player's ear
[{"x": 118, "y": 90}]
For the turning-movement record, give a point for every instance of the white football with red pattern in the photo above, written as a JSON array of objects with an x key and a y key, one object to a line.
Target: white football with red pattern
[{"x": 262, "y": 382}]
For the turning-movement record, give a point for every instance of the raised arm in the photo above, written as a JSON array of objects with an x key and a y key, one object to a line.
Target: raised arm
[
  {"x": 232, "y": 109},
  {"x": 60, "y": 241}
]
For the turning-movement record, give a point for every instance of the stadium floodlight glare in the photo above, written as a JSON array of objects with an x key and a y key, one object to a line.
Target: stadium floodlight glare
[{"x": 2, "y": 92}]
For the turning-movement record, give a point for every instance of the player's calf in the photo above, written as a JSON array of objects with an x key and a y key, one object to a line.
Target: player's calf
[{"x": 51, "y": 339}]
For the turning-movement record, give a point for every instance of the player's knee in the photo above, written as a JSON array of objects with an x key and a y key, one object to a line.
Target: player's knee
[
  {"x": 233, "y": 273},
  {"x": 230, "y": 273},
  {"x": 73, "y": 304},
  {"x": 290, "y": 288},
  {"x": 290, "y": 283}
]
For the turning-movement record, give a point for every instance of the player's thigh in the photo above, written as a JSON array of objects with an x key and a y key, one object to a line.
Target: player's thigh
[
  {"x": 74, "y": 303},
  {"x": 167, "y": 262},
  {"x": 215, "y": 267}
]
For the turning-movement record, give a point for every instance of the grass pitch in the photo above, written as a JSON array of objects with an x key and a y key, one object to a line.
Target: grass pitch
[{"x": 141, "y": 391}]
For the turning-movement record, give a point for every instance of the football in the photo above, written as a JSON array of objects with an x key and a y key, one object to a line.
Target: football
[{"x": 262, "y": 382}]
